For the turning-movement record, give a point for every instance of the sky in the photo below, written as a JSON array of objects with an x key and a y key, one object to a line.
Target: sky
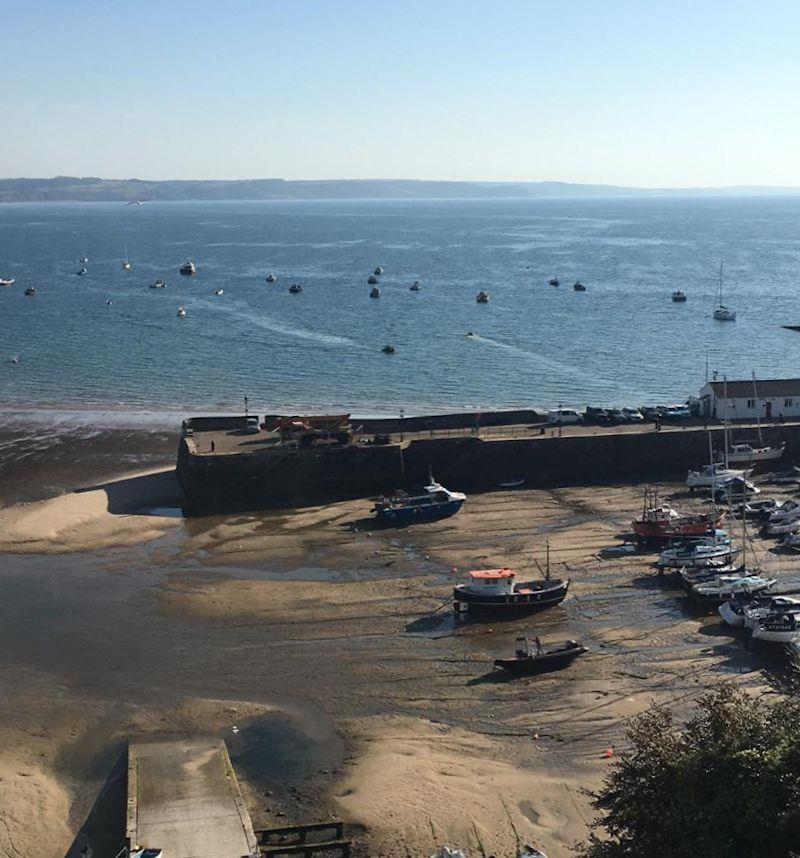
[{"x": 645, "y": 93}]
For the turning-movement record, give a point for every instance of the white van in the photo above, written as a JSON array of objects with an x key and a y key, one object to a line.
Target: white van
[{"x": 564, "y": 416}]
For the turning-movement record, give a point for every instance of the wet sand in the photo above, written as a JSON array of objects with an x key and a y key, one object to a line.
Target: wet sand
[{"x": 330, "y": 646}]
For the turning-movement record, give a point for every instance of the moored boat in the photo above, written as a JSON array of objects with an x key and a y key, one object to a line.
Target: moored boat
[
  {"x": 159, "y": 284},
  {"x": 696, "y": 554},
  {"x": 482, "y": 297},
  {"x": 416, "y": 286},
  {"x": 779, "y": 627},
  {"x": 6, "y": 281},
  {"x": 388, "y": 349},
  {"x": 713, "y": 593},
  {"x": 711, "y": 476},
  {"x": 30, "y": 290},
  {"x": 295, "y": 289},
  {"x": 375, "y": 292},
  {"x": 372, "y": 280},
  {"x": 496, "y": 592},
  {"x": 437, "y": 502},
  {"x": 181, "y": 311},
  {"x": 378, "y": 271},
  {"x": 748, "y": 453},
  {"x": 188, "y": 268},
  {"x": 661, "y": 522},
  {"x": 271, "y": 278},
  {"x": 540, "y": 660},
  {"x": 82, "y": 272},
  {"x": 578, "y": 286},
  {"x": 553, "y": 281},
  {"x": 678, "y": 296}
]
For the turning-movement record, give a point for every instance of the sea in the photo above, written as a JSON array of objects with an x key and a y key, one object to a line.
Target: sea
[{"x": 106, "y": 348}]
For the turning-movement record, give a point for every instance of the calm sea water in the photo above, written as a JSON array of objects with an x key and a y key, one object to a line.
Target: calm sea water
[{"x": 621, "y": 342}]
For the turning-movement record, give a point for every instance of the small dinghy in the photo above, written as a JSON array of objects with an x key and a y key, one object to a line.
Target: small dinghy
[
  {"x": 188, "y": 268},
  {"x": 82, "y": 272},
  {"x": 388, "y": 349},
  {"x": 375, "y": 292},
  {"x": 553, "y": 281},
  {"x": 540, "y": 660},
  {"x": 378, "y": 271},
  {"x": 372, "y": 280},
  {"x": 219, "y": 291},
  {"x": 578, "y": 286},
  {"x": 6, "y": 281},
  {"x": 159, "y": 284},
  {"x": 482, "y": 297},
  {"x": 416, "y": 286},
  {"x": 295, "y": 289},
  {"x": 679, "y": 296},
  {"x": 181, "y": 312},
  {"x": 30, "y": 290},
  {"x": 271, "y": 278}
]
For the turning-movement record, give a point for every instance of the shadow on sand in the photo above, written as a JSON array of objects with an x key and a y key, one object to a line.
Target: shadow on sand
[
  {"x": 104, "y": 828},
  {"x": 148, "y": 494}
]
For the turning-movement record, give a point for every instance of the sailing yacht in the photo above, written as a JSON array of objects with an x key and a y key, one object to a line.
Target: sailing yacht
[
  {"x": 721, "y": 312},
  {"x": 126, "y": 265}
]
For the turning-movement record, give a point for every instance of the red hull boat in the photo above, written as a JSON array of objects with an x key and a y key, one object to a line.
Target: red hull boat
[{"x": 663, "y": 522}]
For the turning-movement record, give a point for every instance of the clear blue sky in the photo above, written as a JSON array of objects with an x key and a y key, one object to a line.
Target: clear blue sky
[{"x": 674, "y": 93}]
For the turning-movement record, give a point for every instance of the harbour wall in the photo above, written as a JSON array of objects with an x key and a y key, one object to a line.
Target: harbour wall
[{"x": 286, "y": 477}]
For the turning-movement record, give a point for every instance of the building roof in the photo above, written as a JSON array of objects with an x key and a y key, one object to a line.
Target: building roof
[{"x": 765, "y": 387}]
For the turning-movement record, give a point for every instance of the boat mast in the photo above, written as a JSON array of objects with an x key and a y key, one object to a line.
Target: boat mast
[
  {"x": 547, "y": 560},
  {"x": 711, "y": 465},
  {"x": 719, "y": 301},
  {"x": 758, "y": 410},
  {"x": 725, "y": 424}
]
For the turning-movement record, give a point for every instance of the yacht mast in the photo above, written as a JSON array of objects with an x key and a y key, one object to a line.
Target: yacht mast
[
  {"x": 758, "y": 410},
  {"x": 725, "y": 424}
]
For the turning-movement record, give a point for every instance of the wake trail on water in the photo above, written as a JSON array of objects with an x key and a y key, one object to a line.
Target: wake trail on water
[
  {"x": 540, "y": 359},
  {"x": 276, "y": 327}
]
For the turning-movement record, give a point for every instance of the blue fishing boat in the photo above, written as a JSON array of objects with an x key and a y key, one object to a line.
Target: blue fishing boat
[{"x": 437, "y": 502}]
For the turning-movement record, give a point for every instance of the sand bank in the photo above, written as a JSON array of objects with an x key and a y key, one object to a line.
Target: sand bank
[{"x": 116, "y": 513}]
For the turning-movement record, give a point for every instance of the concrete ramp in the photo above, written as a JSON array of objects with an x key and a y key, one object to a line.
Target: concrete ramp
[{"x": 183, "y": 797}]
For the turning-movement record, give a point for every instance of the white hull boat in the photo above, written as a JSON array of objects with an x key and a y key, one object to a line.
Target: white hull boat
[
  {"x": 727, "y": 586},
  {"x": 745, "y": 454},
  {"x": 779, "y": 628},
  {"x": 712, "y": 475},
  {"x": 788, "y": 525},
  {"x": 757, "y": 610},
  {"x": 694, "y": 556}
]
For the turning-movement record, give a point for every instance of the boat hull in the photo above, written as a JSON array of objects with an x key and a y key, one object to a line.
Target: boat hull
[
  {"x": 533, "y": 664},
  {"x": 518, "y": 603},
  {"x": 770, "y": 455},
  {"x": 410, "y": 514}
]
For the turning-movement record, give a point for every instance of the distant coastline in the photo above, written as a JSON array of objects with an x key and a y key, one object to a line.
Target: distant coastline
[{"x": 92, "y": 189}]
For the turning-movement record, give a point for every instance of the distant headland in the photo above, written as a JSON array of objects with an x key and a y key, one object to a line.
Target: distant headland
[{"x": 91, "y": 189}]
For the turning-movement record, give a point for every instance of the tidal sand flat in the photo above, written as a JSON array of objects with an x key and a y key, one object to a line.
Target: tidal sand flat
[{"x": 323, "y": 649}]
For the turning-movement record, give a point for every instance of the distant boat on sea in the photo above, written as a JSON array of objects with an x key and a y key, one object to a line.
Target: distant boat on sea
[
  {"x": 159, "y": 284},
  {"x": 578, "y": 286},
  {"x": 415, "y": 286},
  {"x": 82, "y": 272},
  {"x": 295, "y": 288},
  {"x": 375, "y": 292},
  {"x": 378, "y": 271},
  {"x": 271, "y": 278},
  {"x": 553, "y": 281},
  {"x": 482, "y": 297},
  {"x": 6, "y": 282},
  {"x": 678, "y": 296},
  {"x": 126, "y": 264},
  {"x": 188, "y": 268},
  {"x": 721, "y": 312},
  {"x": 181, "y": 311}
]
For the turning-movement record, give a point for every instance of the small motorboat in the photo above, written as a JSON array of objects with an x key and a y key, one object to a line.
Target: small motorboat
[
  {"x": 691, "y": 554},
  {"x": 578, "y": 286},
  {"x": 109, "y": 302},
  {"x": 735, "y": 491},
  {"x": 745, "y": 611},
  {"x": 126, "y": 265},
  {"x": 188, "y": 268},
  {"x": 295, "y": 289},
  {"x": 540, "y": 660},
  {"x": 378, "y": 271},
  {"x": 711, "y": 475},
  {"x": 159, "y": 284},
  {"x": 219, "y": 291},
  {"x": 678, "y": 296},
  {"x": 181, "y": 311},
  {"x": 30, "y": 290},
  {"x": 416, "y": 286},
  {"x": 14, "y": 359},
  {"x": 553, "y": 281},
  {"x": 375, "y": 292},
  {"x": 748, "y": 453},
  {"x": 482, "y": 297},
  {"x": 788, "y": 509},
  {"x": 271, "y": 278},
  {"x": 84, "y": 259},
  {"x": 724, "y": 587},
  {"x": 82, "y": 272},
  {"x": 781, "y": 627},
  {"x": 401, "y": 508},
  {"x": 372, "y": 280},
  {"x": 6, "y": 281},
  {"x": 494, "y": 592},
  {"x": 388, "y": 349}
]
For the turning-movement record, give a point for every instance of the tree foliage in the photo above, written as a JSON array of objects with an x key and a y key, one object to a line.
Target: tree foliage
[{"x": 727, "y": 784}]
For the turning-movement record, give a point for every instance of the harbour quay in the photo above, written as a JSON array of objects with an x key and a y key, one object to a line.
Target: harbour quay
[{"x": 240, "y": 462}]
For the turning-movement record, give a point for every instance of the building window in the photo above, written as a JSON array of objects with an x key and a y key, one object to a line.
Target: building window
[
  {"x": 787, "y": 403},
  {"x": 751, "y": 403}
]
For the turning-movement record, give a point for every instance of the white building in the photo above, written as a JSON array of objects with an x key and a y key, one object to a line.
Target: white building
[{"x": 769, "y": 399}]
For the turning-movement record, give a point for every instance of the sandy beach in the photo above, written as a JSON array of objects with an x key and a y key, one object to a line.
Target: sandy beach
[{"x": 330, "y": 646}]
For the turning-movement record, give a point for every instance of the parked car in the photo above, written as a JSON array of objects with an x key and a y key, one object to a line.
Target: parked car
[
  {"x": 251, "y": 426},
  {"x": 564, "y": 416},
  {"x": 633, "y": 415},
  {"x": 677, "y": 412},
  {"x": 618, "y": 415},
  {"x": 597, "y": 415},
  {"x": 650, "y": 412}
]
